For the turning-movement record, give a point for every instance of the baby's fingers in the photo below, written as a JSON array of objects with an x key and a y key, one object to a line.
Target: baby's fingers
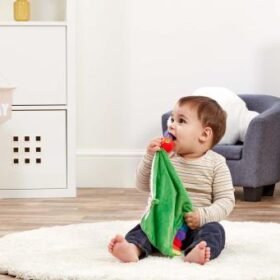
[{"x": 154, "y": 145}]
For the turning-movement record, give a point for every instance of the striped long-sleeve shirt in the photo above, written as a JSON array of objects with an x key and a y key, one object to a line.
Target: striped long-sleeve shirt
[{"x": 207, "y": 180}]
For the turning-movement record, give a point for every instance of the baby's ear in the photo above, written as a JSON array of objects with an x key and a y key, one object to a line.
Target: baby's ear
[{"x": 206, "y": 135}]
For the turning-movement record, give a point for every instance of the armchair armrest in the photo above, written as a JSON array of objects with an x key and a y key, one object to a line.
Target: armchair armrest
[{"x": 261, "y": 151}]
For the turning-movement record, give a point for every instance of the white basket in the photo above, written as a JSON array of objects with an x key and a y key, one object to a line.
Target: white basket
[{"x": 6, "y": 101}]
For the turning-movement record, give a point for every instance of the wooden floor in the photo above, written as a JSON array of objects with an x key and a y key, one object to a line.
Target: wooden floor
[{"x": 92, "y": 205}]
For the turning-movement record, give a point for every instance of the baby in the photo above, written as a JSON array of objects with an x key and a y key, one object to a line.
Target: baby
[{"x": 197, "y": 124}]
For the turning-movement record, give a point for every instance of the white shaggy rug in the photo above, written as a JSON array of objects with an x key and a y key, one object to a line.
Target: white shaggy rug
[{"x": 79, "y": 252}]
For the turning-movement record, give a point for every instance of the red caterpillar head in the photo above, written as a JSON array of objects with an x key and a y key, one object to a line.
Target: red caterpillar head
[{"x": 167, "y": 144}]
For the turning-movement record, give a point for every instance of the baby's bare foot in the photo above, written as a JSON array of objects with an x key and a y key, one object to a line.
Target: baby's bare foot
[
  {"x": 199, "y": 254},
  {"x": 123, "y": 250}
]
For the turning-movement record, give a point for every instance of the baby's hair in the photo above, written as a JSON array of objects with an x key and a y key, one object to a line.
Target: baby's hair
[{"x": 209, "y": 113}]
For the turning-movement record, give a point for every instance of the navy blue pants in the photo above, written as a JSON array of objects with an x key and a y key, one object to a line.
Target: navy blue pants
[{"x": 213, "y": 233}]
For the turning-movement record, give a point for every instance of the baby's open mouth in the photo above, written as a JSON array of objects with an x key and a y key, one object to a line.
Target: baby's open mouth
[{"x": 170, "y": 135}]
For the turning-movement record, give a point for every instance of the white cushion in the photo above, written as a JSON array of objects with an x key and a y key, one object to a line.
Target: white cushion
[{"x": 238, "y": 115}]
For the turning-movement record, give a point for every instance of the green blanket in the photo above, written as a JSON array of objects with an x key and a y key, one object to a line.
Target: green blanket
[{"x": 170, "y": 201}]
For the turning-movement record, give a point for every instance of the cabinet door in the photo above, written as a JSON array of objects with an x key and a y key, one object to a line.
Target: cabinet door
[
  {"x": 33, "y": 150},
  {"x": 33, "y": 58}
]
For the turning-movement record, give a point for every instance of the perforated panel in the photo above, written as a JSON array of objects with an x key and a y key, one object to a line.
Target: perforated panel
[{"x": 27, "y": 149}]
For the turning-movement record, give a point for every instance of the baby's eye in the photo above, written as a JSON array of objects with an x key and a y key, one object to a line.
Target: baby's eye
[
  {"x": 172, "y": 119},
  {"x": 182, "y": 121}
]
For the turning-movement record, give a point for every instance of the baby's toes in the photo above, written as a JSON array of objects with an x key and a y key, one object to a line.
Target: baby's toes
[
  {"x": 207, "y": 254},
  {"x": 111, "y": 245}
]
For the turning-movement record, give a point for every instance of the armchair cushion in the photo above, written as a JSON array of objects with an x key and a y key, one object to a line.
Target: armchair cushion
[{"x": 230, "y": 152}]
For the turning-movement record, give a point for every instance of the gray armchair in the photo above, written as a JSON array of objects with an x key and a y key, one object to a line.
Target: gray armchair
[{"x": 254, "y": 164}]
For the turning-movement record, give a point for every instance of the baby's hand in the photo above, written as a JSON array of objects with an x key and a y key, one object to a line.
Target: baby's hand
[
  {"x": 154, "y": 146},
  {"x": 192, "y": 219}
]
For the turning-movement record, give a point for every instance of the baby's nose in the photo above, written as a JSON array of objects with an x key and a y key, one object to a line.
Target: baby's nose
[
  {"x": 171, "y": 125},
  {"x": 169, "y": 122}
]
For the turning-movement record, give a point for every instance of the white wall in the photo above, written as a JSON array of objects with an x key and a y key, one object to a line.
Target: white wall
[{"x": 137, "y": 57}]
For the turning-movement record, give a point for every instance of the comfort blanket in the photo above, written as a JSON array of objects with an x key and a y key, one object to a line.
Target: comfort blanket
[{"x": 170, "y": 201}]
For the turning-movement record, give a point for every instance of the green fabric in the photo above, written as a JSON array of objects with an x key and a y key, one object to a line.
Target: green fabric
[{"x": 170, "y": 201}]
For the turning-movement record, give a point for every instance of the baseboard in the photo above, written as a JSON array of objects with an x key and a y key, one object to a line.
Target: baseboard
[{"x": 107, "y": 168}]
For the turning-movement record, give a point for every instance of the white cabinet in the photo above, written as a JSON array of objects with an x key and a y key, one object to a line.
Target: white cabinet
[
  {"x": 34, "y": 59},
  {"x": 33, "y": 146},
  {"x": 37, "y": 146}
]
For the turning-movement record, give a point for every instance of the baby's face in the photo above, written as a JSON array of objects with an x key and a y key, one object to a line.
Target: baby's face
[{"x": 186, "y": 129}]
